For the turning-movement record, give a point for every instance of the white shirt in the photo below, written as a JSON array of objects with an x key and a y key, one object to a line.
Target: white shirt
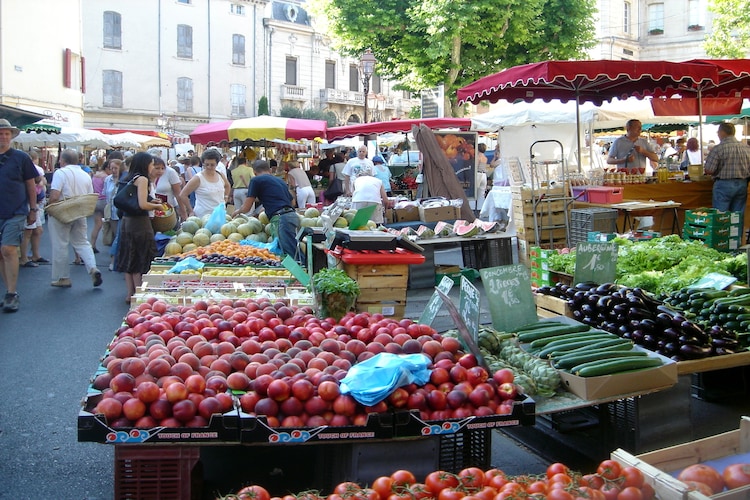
[
  {"x": 208, "y": 195},
  {"x": 164, "y": 185},
  {"x": 354, "y": 166},
  {"x": 367, "y": 189},
  {"x": 71, "y": 180}
]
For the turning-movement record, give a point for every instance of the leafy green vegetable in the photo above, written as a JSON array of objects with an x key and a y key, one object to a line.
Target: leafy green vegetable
[{"x": 333, "y": 280}]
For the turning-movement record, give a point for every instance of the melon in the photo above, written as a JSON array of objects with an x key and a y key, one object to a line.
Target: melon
[
  {"x": 312, "y": 212},
  {"x": 443, "y": 229},
  {"x": 425, "y": 232},
  {"x": 268, "y": 230},
  {"x": 305, "y": 222},
  {"x": 228, "y": 229},
  {"x": 189, "y": 226},
  {"x": 172, "y": 248},
  {"x": 341, "y": 222},
  {"x": 189, "y": 247},
  {"x": 260, "y": 237},
  {"x": 371, "y": 225},
  {"x": 245, "y": 229},
  {"x": 217, "y": 237},
  {"x": 204, "y": 230},
  {"x": 236, "y": 237},
  {"x": 465, "y": 229},
  {"x": 256, "y": 224},
  {"x": 485, "y": 226},
  {"x": 263, "y": 218},
  {"x": 184, "y": 238},
  {"x": 196, "y": 219},
  {"x": 201, "y": 239}
]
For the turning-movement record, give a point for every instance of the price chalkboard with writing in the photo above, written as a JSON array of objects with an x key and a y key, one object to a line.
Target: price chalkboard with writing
[
  {"x": 435, "y": 303},
  {"x": 468, "y": 307},
  {"x": 508, "y": 290},
  {"x": 596, "y": 262}
]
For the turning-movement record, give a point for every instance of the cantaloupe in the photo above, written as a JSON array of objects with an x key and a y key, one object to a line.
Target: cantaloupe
[
  {"x": 217, "y": 237},
  {"x": 245, "y": 229},
  {"x": 184, "y": 238},
  {"x": 172, "y": 248},
  {"x": 236, "y": 237},
  {"x": 228, "y": 229},
  {"x": 189, "y": 247},
  {"x": 201, "y": 240},
  {"x": 263, "y": 218},
  {"x": 312, "y": 212},
  {"x": 189, "y": 226}
]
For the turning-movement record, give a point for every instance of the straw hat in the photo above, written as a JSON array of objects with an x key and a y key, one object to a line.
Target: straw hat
[{"x": 5, "y": 125}]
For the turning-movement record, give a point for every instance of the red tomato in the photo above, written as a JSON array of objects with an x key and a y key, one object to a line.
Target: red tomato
[
  {"x": 557, "y": 468},
  {"x": 630, "y": 493},
  {"x": 439, "y": 480},
  {"x": 559, "y": 494},
  {"x": 703, "y": 474},
  {"x": 537, "y": 487},
  {"x": 419, "y": 491},
  {"x": 471, "y": 477},
  {"x": 609, "y": 469},
  {"x": 497, "y": 481},
  {"x": 561, "y": 478},
  {"x": 383, "y": 485},
  {"x": 633, "y": 477},
  {"x": 451, "y": 494},
  {"x": 253, "y": 492},
  {"x": 648, "y": 491},
  {"x": 492, "y": 473},
  {"x": 403, "y": 478},
  {"x": 736, "y": 475},
  {"x": 610, "y": 491},
  {"x": 594, "y": 481},
  {"x": 701, "y": 487},
  {"x": 347, "y": 488}
]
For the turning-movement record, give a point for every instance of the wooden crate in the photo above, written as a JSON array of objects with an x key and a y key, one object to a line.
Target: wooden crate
[
  {"x": 379, "y": 275},
  {"x": 655, "y": 465},
  {"x": 548, "y": 306},
  {"x": 395, "y": 309},
  {"x": 526, "y": 207},
  {"x": 381, "y": 294}
]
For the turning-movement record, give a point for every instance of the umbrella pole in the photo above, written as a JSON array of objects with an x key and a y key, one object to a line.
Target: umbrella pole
[
  {"x": 578, "y": 136},
  {"x": 700, "y": 123}
]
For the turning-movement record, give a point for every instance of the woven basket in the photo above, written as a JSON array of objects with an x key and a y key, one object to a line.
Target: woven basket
[
  {"x": 163, "y": 223},
  {"x": 70, "y": 209}
]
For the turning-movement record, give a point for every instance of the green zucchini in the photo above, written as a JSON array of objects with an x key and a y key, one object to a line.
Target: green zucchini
[
  {"x": 539, "y": 324},
  {"x": 618, "y": 344},
  {"x": 739, "y": 291},
  {"x": 567, "y": 362},
  {"x": 540, "y": 343},
  {"x": 529, "y": 336},
  {"x": 558, "y": 348},
  {"x": 616, "y": 365}
]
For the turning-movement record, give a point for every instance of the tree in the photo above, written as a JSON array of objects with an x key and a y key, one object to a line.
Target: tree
[
  {"x": 423, "y": 43},
  {"x": 731, "y": 29},
  {"x": 309, "y": 114},
  {"x": 263, "y": 106}
]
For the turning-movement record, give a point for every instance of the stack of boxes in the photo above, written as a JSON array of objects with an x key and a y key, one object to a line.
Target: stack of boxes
[
  {"x": 549, "y": 204},
  {"x": 586, "y": 220},
  {"x": 716, "y": 229},
  {"x": 539, "y": 267}
]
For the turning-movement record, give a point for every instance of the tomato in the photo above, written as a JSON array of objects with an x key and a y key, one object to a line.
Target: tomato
[
  {"x": 561, "y": 478},
  {"x": 439, "y": 480},
  {"x": 703, "y": 474},
  {"x": 609, "y": 469},
  {"x": 594, "y": 481},
  {"x": 559, "y": 494},
  {"x": 497, "y": 481},
  {"x": 486, "y": 493},
  {"x": 471, "y": 477},
  {"x": 630, "y": 493},
  {"x": 492, "y": 473},
  {"x": 403, "y": 478},
  {"x": 537, "y": 487},
  {"x": 419, "y": 491},
  {"x": 648, "y": 491},
  {"x": 253, "y": 492},
  {"x": 514, "y": 488},
  {"x": 701, "y": 487},
  {"x": 557, "y": 468},
  {"x": 451, "y": 494},
  {"x": 383, "y": 485},
  {"x": 633, "y": 477},
  {"x": 736, "y": 475},
  {"x": 347, "y": 488},
  {"x": 404, "y": 494},
  {"x": 610, "y": 491}
]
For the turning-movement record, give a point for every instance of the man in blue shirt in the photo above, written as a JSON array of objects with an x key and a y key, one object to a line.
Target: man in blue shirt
[{"x": 274, "y": 195}]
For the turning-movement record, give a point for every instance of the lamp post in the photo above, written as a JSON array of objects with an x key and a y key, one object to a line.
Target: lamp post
[{"x": 367, "y": 68}]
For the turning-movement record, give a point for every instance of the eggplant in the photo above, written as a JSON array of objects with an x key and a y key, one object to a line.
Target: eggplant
[
  {"x": 648, "y": 325},
  {"x": 639, "y": 313},
  {"x": 579, "y": 297},
  {"x": 588, "y": 310},
  {"x": 732, "y": 344},
  {"x": 603, "y": 304},
  {"x": 577, "y": 315},
  {"x": 671, "y": 348},
  {"x": 650, "y": 340},
  {"x": 663, "y": 320},
  {"x": 722, "y": 351},
  {"x": 629, "y": 334},
  {"x": 670, "y": 334},
  {"x": 689, "y": 339},
  {"x": 689, "y": 351},
  {"x": 593, "y": 298},
  {"x": 606, "y": 288},
  {"x": 637, "y": 336},
  {"x": 688, "y": 327},
  {"x": 668, "y": 310},
  {"x": 622, "y": 330}
]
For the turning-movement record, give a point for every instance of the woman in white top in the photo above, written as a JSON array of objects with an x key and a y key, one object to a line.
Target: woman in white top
[
  {"x": 167, "y": 183},
  {"x": 211, "y": 188},
  {"x": 298, "y": 180},
  {"x": 692, "y": 154},
  {"x": 369, "y": 190}
]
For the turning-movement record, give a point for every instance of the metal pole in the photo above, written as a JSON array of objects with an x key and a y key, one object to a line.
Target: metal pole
[{"x": 366, "y": 83}]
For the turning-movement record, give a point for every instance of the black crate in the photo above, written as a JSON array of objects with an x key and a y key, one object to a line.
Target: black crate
[
  {"x": 481, "y": 253},
  {"x": 623, "y": 415},
  {"x": 720, "y": 385},
  {"x": 584, "y": 220},
  {"x": 467, "y": 448},
  {"x": 143, "y": 471}
]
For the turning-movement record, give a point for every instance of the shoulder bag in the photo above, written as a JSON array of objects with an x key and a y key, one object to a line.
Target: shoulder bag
[
  {"x": 69, "y": 209},
  {"x": 126, "y": 199}
]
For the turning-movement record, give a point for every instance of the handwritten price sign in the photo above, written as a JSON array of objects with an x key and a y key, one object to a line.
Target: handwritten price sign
[
  {"x": 596, "y": 262},
  {"x": 509, "y": 295}
]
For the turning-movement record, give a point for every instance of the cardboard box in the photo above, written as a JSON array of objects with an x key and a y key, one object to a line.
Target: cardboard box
[
  {"x": 593, "y": 388},
  {"x": 406, "y": 214},
  {"x": 707, "y": 217},
  {"x": 454, "y": 273},
  {"x": 715, "y": 232},
  {"x": 660, "y": 467},
  {"x": 437, "y": 214}
]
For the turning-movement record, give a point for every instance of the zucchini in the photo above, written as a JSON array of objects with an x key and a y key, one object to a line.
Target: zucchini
[
  {"x": 571, "y": 361},
  {"x": 539, "y": 324},
  {"x": 554, "y": 347},
  {"x": 616, "y": 365},
  {"x": 739, "y": 291},
  {"x": 529, "y": 336},
  {"x": 617, "y": 344},
  {"x": 540, "y": 343}
]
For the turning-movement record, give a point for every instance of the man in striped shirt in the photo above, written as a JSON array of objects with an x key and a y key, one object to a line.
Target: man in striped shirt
[{"x": 729, "y": 164}]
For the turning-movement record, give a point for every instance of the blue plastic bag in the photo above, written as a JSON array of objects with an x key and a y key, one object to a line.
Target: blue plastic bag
[
  {"x": 185, "y": 264},
  {"x": 374, "y": 379},
  {"x": 217, "y": 219}
]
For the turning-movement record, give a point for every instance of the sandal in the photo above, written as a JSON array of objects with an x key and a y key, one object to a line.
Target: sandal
[
  {"x": 29, "y": 263},
  {"x": 41, "y": 260},
  {"x": 77, "y": 263}
]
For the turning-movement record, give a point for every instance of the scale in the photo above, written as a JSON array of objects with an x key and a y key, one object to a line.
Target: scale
[{"x": 371, "y": 240}]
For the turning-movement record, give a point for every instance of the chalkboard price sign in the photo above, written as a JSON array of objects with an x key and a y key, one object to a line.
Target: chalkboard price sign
[
  {"x": 509, "y": 296},
  {"x": 468, "y": 307},
  {"x": 596, "y": 262},
  {"x": 435, "y": 303}
]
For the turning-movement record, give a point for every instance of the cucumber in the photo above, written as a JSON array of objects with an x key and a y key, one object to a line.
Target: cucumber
[
  {"x": 529, "y": 336},
  {"x": 540, "y": 343},
  {"x": 616, "y": 365},
  {"x": 558, "y": 348},
  {"x": 570, "y": 361},
  {"x": 739, "y": 291},
  {"x": 617, "y": 344},
  {"x": 539, "y": 324}
]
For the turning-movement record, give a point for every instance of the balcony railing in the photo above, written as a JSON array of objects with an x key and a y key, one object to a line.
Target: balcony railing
[
  {"x": 335, "y": 96},
  {"x": 293, "y": 93}
]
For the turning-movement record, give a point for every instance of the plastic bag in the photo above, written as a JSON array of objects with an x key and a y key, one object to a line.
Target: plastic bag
[
  {"x": 217, "y": 219},
  {"x": 374, "y": 379},
  {"x": 185, "y": 264},
  {"x": 272, "y": 246}
]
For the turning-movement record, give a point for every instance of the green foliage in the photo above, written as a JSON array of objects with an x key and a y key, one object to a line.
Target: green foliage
[
  {"x": 334, "y": 280},
  {"x": 730, "y": 37},
  {"x": 288, "y": 111},
  {"x": 309, "y": 114},
  {"x": 423, "y": 43},
  {"x": 263, "y": 106},
  {"x": 415, "y": 112}
]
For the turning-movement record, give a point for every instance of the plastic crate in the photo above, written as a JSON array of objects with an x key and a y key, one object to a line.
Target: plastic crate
[
  {"x": 483, "y": 253},
  {"x": 468, "y": 448},
  {"x": 586, "y": 220},
  {"x": 143, "y": 471}
]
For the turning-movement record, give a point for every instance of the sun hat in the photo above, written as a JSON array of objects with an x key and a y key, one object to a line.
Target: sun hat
[
  {"x": 377, "y": 159},
  {"x": 5, "y": 124}
]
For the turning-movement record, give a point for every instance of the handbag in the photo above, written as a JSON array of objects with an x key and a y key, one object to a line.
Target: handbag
[
  {"x": 108, "y": 232},
  {"x": 126, "y": 199},
  {"x": 334, "y": 189},
  {"x": 75, "y": 207}
]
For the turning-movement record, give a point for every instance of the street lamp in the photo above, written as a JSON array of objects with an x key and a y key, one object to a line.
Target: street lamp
[{"x": 367, "y": 68}]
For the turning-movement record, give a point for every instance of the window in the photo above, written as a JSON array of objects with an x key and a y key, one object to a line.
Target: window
[
  {"x": 291, "y": 71},
  {"x": 330, "y": 75},
  {"x": 112, "y": 30},
  {"x": 626, "y": 17},
  {"x": 112, "y": 88},
  {"x": 237, "y": 9},
  {"x": 184, "y": 41},
  {"x": 238, "y": 49},
  {"x": 185, "y": 95},
  {"x": 656, "y": 18},
  {"x": 184, "y": 1},
  {"x": 376, "y": 85},
  {"x": 354, "y": 78},
  {"x": 696, "y": 15},
  {"x": 238, "y": 99}
]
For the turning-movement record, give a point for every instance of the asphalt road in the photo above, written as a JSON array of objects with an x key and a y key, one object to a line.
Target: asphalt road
[{"x": 49, "y": 349}]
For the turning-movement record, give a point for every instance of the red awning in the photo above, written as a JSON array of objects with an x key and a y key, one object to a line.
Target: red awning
[
  {"x": 394, "y": 126},
  {"x": 688, "y": 106},
  {"x": 152, "y": 133}
]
